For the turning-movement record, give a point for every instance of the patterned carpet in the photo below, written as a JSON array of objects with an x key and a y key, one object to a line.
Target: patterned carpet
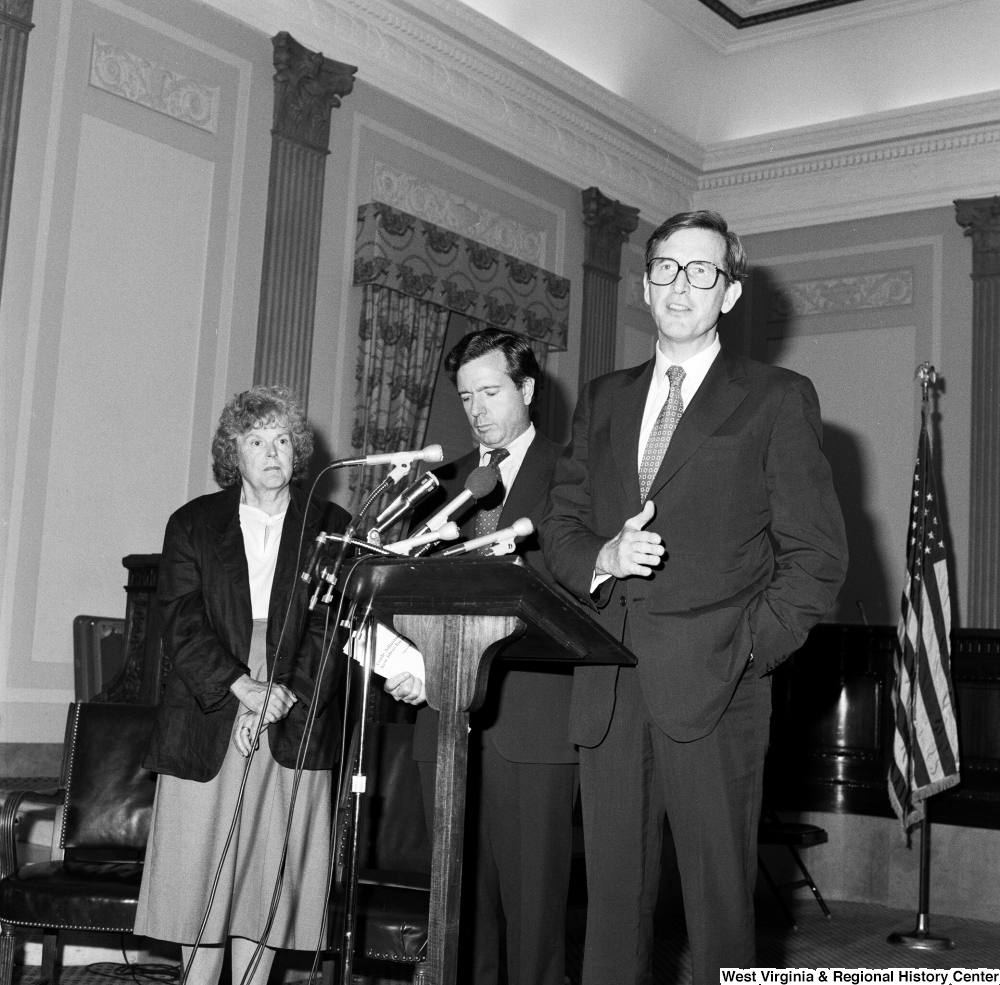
[{"x": 855, "y": 937}]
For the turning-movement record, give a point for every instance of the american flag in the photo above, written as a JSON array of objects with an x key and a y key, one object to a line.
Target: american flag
[{"x": 925, "y": 746}]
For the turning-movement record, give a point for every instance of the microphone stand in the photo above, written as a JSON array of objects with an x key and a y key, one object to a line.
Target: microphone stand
[{"x": 359, "y": 782}]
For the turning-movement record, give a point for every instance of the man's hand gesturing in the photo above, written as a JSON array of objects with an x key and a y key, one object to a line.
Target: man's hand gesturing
[{"x": 633, "y": 552}]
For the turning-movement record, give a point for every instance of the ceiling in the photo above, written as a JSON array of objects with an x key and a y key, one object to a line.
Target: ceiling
[
  {"x": 811, "y": 112},
  {"x": 751, "y": 13},
  {"x": 687, "y": 69}
]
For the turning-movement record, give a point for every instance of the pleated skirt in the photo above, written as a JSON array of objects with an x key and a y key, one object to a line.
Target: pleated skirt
[{"x": 188, "y": 832}]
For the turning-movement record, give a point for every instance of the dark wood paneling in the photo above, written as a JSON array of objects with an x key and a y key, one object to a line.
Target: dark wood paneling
[{"x": 831, "y": 726}]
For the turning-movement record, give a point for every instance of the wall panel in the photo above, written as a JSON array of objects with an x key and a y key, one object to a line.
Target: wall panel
[{"x": 141, "y": 209}]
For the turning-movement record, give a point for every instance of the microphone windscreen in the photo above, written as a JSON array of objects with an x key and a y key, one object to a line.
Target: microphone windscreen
[
  {"x": 481, "y": 481},
  {"x": 522, "y": 527}
]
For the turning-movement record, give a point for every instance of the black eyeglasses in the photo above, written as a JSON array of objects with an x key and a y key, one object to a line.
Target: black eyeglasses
[{"x": 663, "y": 271}]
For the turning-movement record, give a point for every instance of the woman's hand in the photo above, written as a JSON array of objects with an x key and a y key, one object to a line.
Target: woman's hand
[
  {"x": 405, "y": 687},
  {"x": 246, "y": 729},
  {"x": 251, "y": 694}
]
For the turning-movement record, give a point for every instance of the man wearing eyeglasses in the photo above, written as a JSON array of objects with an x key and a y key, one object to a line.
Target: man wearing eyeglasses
[{"x": 694, "y": 512}]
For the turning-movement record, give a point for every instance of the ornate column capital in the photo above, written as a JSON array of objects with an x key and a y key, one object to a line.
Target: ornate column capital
[
  {"x": 17, "y": 12},
  {"x": 15, "y": 24},
  {"x": 980, "y": 218},
  {"x": 306, "y": 87},
  {"x": 608, "y": 226}
]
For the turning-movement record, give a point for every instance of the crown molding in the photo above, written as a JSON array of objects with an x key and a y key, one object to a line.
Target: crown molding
[
  {"x": 949, "y": 116},
  {"x": 469, "y": 24},
  {"x": 727, "y": 39},
  {"x": 459, "y": 66},
  {"x": 854, "y": 181},
  {"x": 548, "y": 115}
]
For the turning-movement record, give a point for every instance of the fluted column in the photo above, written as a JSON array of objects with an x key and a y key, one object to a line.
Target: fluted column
[
  {"x": 307, "y": 87},
  {"x": 980, "y": 217},
  {"x": 608, "y": 225},
  {"x": 15, "y": 23}
]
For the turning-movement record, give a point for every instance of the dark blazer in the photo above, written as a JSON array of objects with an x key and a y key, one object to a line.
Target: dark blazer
[
  {"x": 755, "y": 543},
  {"x": 526, "y": 713},
  {"x": 204, "y": 596}
]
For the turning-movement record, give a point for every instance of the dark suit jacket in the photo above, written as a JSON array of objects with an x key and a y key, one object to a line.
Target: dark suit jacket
[
  {"x": 755, "y": 544},
  {"x": 526, "y": 714},
  {"x": 204, "y": 595}
]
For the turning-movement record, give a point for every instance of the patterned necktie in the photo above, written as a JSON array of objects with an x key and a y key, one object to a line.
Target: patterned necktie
[
  {"x": 486, "y": 520},
  {"x": 663, "y": 431}
]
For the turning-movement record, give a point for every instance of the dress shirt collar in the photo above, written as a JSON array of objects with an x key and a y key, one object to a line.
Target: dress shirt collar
[
  {"x": 517, "y": 449},
  {"x": 695, "y": 369},
  {"x": 510, "y": 466}
]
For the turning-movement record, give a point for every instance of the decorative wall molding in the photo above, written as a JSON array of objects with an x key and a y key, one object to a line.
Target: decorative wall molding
[
  {"x": 879, "y": 289},
  {"x": 853, "y": 157},
  {"x": 506, "y": 92},
  {"x": 425, "y": 200},
  {"x": 547, "y": 115},
  {"x": 902, "y": 175},
  {"x": 125, "y": 74}
]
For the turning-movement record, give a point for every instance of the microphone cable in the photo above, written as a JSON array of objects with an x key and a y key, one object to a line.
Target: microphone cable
[
  {"x": 238, "y": 809},
  {"x": 298, "y": 770},
  {"x": 310, "y": 717}
]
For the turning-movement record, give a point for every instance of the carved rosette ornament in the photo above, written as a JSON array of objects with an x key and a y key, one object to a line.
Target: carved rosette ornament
[
  {"x": 15, "y": 23},
  {"x": 608, "y": 225},
  {"x": 307, "y": 87},
  {"x": 980, "y": 217}
]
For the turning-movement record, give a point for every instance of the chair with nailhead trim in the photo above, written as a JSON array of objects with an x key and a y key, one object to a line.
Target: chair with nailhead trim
[
  {"x": 106, "y": 809},
  {"x": 394, "y": 878}
]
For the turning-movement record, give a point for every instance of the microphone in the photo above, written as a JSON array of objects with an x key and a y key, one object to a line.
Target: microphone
[
  {"x": 519, "y": 528},
  {"x": 432, "y": 453},
  {"x": 481, "y": 482},
  {"x": 401, "y": 461},
  {"x": 318, "y": 545},
  {"x": 448, "y": 532},
  {"x": 403, "y": 504}
]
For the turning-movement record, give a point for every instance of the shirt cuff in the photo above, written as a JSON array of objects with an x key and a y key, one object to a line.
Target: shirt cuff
[{"x": 597, "y": 581}]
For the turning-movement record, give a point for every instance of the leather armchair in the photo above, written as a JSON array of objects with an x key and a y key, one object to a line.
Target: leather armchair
[{"x": 107, "y": 805}]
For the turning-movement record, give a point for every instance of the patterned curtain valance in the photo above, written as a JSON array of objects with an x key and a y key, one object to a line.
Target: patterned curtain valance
[{"x": 424, "y": 261}]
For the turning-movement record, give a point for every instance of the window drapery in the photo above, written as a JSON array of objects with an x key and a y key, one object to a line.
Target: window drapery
[
  {"x": 414, "y": 274},
  {"x": 398, "y": 358}
]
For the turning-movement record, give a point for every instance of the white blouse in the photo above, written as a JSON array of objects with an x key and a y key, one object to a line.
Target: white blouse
[{"x": 261, "y": 537}]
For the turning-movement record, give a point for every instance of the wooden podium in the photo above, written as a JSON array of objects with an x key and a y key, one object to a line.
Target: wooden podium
[{"x": 461, "y": 613}]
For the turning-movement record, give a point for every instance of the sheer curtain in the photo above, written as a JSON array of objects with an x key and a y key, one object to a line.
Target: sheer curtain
[{"x": 398, "y": 359}]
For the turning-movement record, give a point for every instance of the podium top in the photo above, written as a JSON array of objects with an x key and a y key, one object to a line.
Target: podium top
[{"x": 557, "y": 627}]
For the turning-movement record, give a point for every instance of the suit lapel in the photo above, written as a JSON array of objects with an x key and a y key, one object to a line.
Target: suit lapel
[
  {"x": 530, "y": 484},
  {"x": 627, "y": 407},
  {"x": 720, "y": 393},
  {"x": 227, "y": 542},
  {"x": 288, "y": 550}
]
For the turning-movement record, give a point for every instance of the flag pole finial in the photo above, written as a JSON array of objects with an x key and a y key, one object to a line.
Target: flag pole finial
[{"x": 928, "y": 377}]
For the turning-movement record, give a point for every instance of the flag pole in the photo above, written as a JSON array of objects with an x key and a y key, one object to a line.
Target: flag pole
[{"x": 921, "y": 938}]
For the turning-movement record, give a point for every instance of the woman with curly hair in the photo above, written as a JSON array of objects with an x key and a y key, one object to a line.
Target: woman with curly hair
[{"x": 233, "y": 607}]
